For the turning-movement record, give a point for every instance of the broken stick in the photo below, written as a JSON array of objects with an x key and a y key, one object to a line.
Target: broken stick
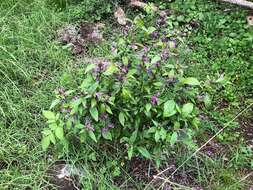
[{"x": 243, "y": 3}]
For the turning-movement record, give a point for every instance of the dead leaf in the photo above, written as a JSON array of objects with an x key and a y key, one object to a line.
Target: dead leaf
[
  {"x": 119, "y": 14},
  {"x": 67, "y": 34},
  {"x": 90, "y": 32},
  {"x": 250, "y": 20},
  {"x": 140, "y": 4}
]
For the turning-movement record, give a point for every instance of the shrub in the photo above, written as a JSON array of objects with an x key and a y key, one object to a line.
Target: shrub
[{"x": 138, "y": 96}]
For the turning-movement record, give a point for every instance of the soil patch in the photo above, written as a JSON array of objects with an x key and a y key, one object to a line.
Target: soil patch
[
  {"x": 62, "y": 176},
  {"x": 246, "y": 129}
]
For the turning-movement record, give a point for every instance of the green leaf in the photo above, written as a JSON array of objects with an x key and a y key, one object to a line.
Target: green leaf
[
  {"x": 107, "y": 135},
  {"x": 125, "y": 60},
  {"x": 163, "y": 133},
  {"x": 144, "y": 152},
  {"x": 89, "y": 68},
  {"x": 207, "y": 101},
  {"x": 155, "y": 59},
  {"x": 94, "y": 113},
  {"x": 187, "y": 109},
  {"x": 111, "y": 69},
  {"x": 152, "y": 130},
  {"x": 52, "y": 138},
  {"x": 151, "y": 29},
  {"x": 49, "y": 115},
  {"x": 92, "y": 136},
  {"x": 169, "y": 108},
  {"x": 157, "y": 136},
  {"x": 133, "y": 137},
  {"x": 180, "y": 18},
  {"x": 45, "y": 142},
  {"x": 130, "y": 152},
  {"x": 87, "y": 82},
  {"x": 54, "y": 103},
  {"x": 93, "y": 102},
  {"x": 108, "y": 109},
  {"x": 122, "y": 118},
  {"x": 191, "y": 81},
  {"x": 173, "y": 138},
  {"x": 59, "y": 133},
  {"x": 148, "y": 107}
]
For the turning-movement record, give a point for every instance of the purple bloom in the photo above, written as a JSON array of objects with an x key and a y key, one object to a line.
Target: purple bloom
[
  {"x": 161, "y": 21},
  {"x": 165, "y": 39},
  {"x": 124, "y": 69},
  {"x": 75, "y": 98},
  {"x": 134, "y": 46},
  {"x": 104, "y": 116},
  {"x": 96, "y": 70},
  {"x": 105, "y": 64},
  {"x": 110, "y": 126},
  {"x": 104, "y": 130},
  {"x": 165, "y": 54},
  {"x": 145, "y": 58},
  {"x": 157, "y": 64},
  {"x": 149, "y": 71},
  {"x": 170, "y": 81},
  {"x": 61, "y": 91},
  {"x": 63, "y": 110},
  {"x": 146, "y": 49},
  {"x": 88, "y": 125},
  {"x": 203, "y": 117},
  {"x": 126, "y": 29},
  {"x": 154, "y": 99},
  {"x": 154, "y": 35},
  {"x": 120, "y": 77},
  {"x": 98, "y": 94}
]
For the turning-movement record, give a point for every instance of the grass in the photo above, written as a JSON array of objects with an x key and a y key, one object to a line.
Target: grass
[{"x": 32, "y": 65}]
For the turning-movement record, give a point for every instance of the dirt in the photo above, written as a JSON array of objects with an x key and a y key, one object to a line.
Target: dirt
[
  {"x": 142, "y": 171},
  {"x": 62, "y": 181},
  {"x": 246, "y": 129},
  {"x": 77, "y": 37}
]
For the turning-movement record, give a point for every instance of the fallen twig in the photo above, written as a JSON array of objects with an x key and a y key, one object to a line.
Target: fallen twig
[{"x": 242, "y": 3}]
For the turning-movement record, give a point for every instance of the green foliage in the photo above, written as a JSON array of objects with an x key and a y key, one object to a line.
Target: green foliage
[
  {"x": 91, "y": 9},
  {"x": 142, "y": 101}
]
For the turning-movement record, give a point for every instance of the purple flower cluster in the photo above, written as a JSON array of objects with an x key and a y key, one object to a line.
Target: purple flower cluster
[
  {"x": 88, "y": 125},
  {"x": 109, "y": 126},
  {"x": 101, "y": 66},
  {"x": 155, "y": 35},
  {"x": 165, "y": 54},
  {"x": 74, "y": 98},
  {"x": 126, "y": 29},
  {"x": 161, "y": 22},
  {"x": 154, "y": 99},
  {"x": 104, "y": 116},
  {"x": 98, "y": 95},
  {"x": 145, "y": 59},
  {"x": 134, "y": 46},
  {"x": 64, "y": 110},
  {"x": 125, "y": 69}
]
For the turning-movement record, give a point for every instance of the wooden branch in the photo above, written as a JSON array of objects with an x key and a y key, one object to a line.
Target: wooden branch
[{"x": 243, "y": 3}]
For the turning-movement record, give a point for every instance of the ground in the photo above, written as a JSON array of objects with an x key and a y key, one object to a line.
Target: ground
[{"x": 33, "y": 63}]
